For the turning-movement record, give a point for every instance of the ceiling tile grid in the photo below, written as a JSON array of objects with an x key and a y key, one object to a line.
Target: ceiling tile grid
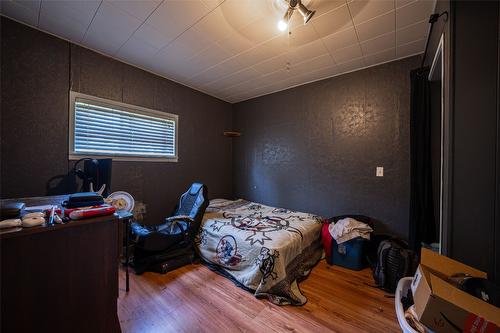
[{"x": 232, "y": 49}]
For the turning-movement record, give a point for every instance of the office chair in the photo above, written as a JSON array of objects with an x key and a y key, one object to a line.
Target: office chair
[{"x": 169, "y": 245}]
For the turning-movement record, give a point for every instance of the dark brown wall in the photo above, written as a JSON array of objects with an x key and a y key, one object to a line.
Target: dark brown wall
[
  {"x": 36, "y": 80},
  {"x": 315, "y": 147}
]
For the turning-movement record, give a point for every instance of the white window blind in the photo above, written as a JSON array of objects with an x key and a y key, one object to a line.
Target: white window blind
[{"x": 102, "y": 127}]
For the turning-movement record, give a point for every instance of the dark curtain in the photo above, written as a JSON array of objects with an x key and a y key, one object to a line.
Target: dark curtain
[{"x": 422, "y": 221}]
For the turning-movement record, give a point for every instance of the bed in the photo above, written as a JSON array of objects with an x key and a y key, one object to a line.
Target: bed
[{"x": 263, "y": 249}]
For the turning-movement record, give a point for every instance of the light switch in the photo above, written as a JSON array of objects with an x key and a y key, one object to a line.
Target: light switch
[{"x": 380, "y": 172}]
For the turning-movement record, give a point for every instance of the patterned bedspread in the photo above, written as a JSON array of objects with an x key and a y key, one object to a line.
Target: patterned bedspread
[{"x": 267, "y": 250}]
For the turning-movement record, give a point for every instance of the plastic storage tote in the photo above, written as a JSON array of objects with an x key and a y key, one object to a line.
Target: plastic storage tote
[
  {"x": 350, "y": 254},
  {"x": 401, "y": 290}
]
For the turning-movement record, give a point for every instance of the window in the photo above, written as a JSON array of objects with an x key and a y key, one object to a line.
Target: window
[{"x": 100, "y": 127}]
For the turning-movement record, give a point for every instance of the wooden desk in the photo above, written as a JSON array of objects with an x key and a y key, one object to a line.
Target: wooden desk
[{"x": 62, "y": 278}]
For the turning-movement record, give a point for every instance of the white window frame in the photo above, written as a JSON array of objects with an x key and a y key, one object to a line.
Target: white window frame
[{"x": 125, "y": 107}]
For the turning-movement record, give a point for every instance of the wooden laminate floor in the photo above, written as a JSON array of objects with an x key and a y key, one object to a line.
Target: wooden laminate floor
[{"x": 195, "y": 299}]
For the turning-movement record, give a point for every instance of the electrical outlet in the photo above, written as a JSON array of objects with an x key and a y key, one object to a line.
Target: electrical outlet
[{"x": 380, "y": 172}]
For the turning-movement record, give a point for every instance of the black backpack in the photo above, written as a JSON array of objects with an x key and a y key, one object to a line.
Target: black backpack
[{"x": 394, "y": 261}]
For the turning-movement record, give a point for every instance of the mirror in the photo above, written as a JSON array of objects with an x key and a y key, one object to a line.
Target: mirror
[{"x": 436, "y": 78}]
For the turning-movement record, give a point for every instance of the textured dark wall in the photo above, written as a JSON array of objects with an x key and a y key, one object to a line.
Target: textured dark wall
[
  {"x": 34, "y": 115},
  {"x": 315, "y": 147},
  {"x": 471, "y": 120},
  {"x": 35, "y": 88},
  {"x": 475, "y": 137}
]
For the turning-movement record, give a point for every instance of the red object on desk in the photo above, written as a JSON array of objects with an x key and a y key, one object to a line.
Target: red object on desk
[
  {"x": 85, "y": 212},
  {"x": 91, "y": 212}
]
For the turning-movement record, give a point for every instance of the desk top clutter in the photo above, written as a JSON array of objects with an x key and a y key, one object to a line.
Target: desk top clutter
[
  {"x": 19, "y": 214},
  {"x": 61, "y": 277}
]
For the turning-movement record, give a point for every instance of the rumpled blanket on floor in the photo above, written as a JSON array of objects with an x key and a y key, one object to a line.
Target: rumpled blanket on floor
[
  {"x": 349, "y": 228},
  {"x": 265, "y": 249}
]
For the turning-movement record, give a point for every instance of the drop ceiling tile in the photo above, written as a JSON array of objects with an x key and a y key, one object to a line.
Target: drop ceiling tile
[
  {"x": 347, "y": 54},
  {"x": 281, "y": 74},
  {"x": 311, "y": 65},
  {"x": 380, "y": 57},
  {"x": 307, "y": 51},
  {"x": 401, "y": 3},
  {"x": 235, "y": 44},
  {"x": 215, "y": 25},
  {"x": 298, "y": 79},
  {"x": 69, "y": 19},
  {"x": 217, "y": 85},
  {"x": 210, "y": 56},
  {"x": 312, "y": 76},
  {"x": 212, "y": 4},
  {"x": 111, "y": 28},
  {"x": 241, "y": 13},
  {"x": 379, "y": 44},
  {"x": 414, "y": 12},
  {"x": 326, "y": 72},
  {"x": 272, "y": 64},
  {"x": 363, "y": 10},
  {"x": 412, "y": 32},
  {"x": 277, "y": 45},
  {"x": 260, "y": 31},
  {"x": 293, "y": 81},
  {"x": 410, "y": 48},
  {"x": 102, "y": 44},
  {"x": 63, "y": 27},
  {"x": 153, "y": 37},
  {"x": 33, "y": 5},
  {"x": 278, "y": 75},
  {"x": 174, "y": 17},
  {"x": 324, "y": 6},
  {"x": 334, "y": 21},
  {"x": 277, "y": 86},
  {"x": 140, "y": 9},
  {"x": 238, "y": 77},
  {"x": 340, "y": 39},
  {"x": 350, "y": 65},
  {"x": 184, "y": 70},
  {"x": 302, "y": 35},
  {"x": 219, "y": 71},
  {"x": 79, "y": 11},
  {"x": 377, "y": 26},
  {"x": 137, "y": 51},
  {"x": 196, "y": 39},
  {"x": 258, "y": 81},
  {"x": 255, "y": 55},
  {"x": 24, "y": 11},
  {"x": 242, "y": 87},
  {"x": 179, "y": 51},
  {"x": 204, "y": 78}
]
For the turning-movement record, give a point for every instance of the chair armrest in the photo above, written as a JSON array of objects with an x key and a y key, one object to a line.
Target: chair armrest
[{"x": 179, "y": 218}]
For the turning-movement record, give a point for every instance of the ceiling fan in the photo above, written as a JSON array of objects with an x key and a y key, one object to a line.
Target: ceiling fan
[{"x": 292, "y": 6}]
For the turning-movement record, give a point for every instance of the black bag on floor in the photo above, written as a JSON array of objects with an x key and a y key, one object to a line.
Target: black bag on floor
[{"x": 394, "y": 261}]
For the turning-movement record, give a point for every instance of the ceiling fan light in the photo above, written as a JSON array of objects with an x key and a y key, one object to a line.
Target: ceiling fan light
[
  {"x": 283, "y": 23},
  {"x": 306, "y": 13}
]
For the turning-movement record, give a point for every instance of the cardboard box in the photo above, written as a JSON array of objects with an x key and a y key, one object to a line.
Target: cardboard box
[{"x": 444, "y": 308}]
